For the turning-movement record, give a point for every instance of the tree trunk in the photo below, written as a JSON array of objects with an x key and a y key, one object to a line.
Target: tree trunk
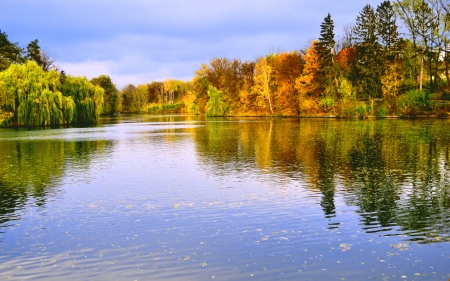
[{"x": 421, "y": 74}]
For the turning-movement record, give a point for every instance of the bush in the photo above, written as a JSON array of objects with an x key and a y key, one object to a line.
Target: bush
[
  {"x": 415, "y": 102},
  {"x": 359, "y": 109},
  {"x": 327, "y": 103},
  {"x": 383, "y": 112}
]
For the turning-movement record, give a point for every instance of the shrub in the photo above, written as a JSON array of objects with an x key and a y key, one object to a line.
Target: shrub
[
  {"x": 327, "y": 103},
  {"x": 414, "y": 102},
  {"x": 383, "y": 112}
]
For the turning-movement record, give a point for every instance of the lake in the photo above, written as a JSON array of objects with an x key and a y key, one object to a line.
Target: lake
[{"x": 141, "y": 197}]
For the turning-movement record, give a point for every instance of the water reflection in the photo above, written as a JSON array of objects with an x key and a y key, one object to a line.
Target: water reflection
[
  {"x": 395, "y": 171},
  {"x": 32, "y": 169}
]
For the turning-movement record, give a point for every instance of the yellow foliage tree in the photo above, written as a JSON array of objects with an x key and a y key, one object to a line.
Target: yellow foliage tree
[
  {"x": 391, "y": 82},
  {"x": 262, "y": 78}
]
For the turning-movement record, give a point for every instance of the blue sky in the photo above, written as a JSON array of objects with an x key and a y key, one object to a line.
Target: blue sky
[{"x": 138, "y": 41}]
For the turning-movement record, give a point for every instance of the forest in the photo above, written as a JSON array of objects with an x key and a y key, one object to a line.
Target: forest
[{"x": 392, "y": 62}]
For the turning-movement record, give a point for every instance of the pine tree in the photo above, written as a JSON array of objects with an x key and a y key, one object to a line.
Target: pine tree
[
  {"x": 368, "y": 48},
  {"x": 327, "y": 68},
  {"x": 9, "y": 52},
  {"x": 387, "y": 30},
  {"x": 34, "y": 52}
]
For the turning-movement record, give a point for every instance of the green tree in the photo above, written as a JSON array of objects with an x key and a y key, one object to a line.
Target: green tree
[
  {"x": 34, "y": 52},
  {"x": 388, "y": 31},
  {"x": 368, "y": 48},
  {"x": 88, "y": 99},
  {"x": 328, "y": 70},
  {"x": 421, "y": 24},
  {"x": 9, "y": 52},
  {"x": 128, "y": 98},
  {"x": 215, "y": 105},
  {"x": 35, "y": 97},
  {"x": 112, "y": 103}
]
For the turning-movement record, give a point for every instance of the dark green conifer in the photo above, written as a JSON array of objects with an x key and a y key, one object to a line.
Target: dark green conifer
[
  {"x": 327, "y": 68},
  {"x": 368, "y": 47},
  {"x": 9, "y": 52}
]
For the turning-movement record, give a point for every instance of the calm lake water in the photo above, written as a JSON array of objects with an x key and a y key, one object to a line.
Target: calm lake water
[{"x": 188, "y": 198}]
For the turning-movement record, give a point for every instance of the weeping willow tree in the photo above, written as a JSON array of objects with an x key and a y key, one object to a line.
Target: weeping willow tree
[
  {"x": 37, "y": 98},
  {"x": 215, "y": 105},
  {"x": 88, "y": 99},
  {"x": 33, "y": 95}
]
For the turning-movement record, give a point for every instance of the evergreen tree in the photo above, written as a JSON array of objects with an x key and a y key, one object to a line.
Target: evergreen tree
[
  {"x": 327, "y": 68},
  {"x": 387, "y": 30},
  {"x": 9, "y": 52},
  {"x": 326, "y": 42},
  {"x": 369, "y": 65},
  {"x": 34, "y": 52}
]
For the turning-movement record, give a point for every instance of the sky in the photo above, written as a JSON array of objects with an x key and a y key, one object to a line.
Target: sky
[{"x": 137, "y": 41}]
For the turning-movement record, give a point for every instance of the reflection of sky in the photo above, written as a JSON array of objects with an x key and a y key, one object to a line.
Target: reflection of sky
[{"x": 140, "y": 41}]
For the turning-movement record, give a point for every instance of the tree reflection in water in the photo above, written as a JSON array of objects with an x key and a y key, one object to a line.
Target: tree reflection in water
[{"x": 394, "y": 171}]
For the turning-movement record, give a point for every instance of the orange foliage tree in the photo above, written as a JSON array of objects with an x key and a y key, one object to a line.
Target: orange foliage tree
[
  {"x": 347, "y": 60},
  {"x": 287, "y": 68},
  {"x": 308, "y": 83}
]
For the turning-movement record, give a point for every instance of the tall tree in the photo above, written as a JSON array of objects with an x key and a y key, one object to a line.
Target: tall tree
[
  {"x": 34, "y": 52},
  {"x": 388, "y": 31},
  {"x": 368, "y": 48},
  {"x": 327, "y": 68},
  {"x": 111, "y": 97},
  {"x": 421, "y": 23},
  {"x": 263, "y": 79},
  {"x": 9, "y": 52}
]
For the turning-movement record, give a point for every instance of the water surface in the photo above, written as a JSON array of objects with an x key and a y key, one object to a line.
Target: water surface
[{"x": 143, "y": 197}]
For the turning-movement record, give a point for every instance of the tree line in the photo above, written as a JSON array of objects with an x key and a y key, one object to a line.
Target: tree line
[{"x": 371, "y": 69}]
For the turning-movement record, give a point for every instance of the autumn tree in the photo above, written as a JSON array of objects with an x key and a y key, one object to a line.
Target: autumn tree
[
  {"x": 287, "y": 67},
  {"x": 263, "y": 79},
  {"x": 225, "y": 75},
  {"x": 308, "y": 83},
  {"x": 391, "y": 83}
]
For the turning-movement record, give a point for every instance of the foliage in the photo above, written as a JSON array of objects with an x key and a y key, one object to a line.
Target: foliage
[
  {"x": 346, "y": 91},
  {"x": 263, "y": 81},
  {"x": 88, "y": 99},
  {"x": 308, "y": 83},
  {"x": 327, "y": 103},
  {"x": 356, "y": 109},
  {"x": 215, "y": 105},
  {"x": 327, "y": 68},
  {"x": 383, "y": 112},
  {"x": 391, "y": 83},
  {"x": 415, "y": 102},
  {"x": 112, "y": 103},
  {"x": 368, "y": 48},
  {"x": 129, "y": 99},
  {"x": 190, "y": 103},
  {"x": 10, "y": 53},
  {"x": 34, "y": 96}
]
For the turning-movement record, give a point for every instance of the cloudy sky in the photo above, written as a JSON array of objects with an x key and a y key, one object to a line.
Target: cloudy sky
[{"x": 137, "y": 41}]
